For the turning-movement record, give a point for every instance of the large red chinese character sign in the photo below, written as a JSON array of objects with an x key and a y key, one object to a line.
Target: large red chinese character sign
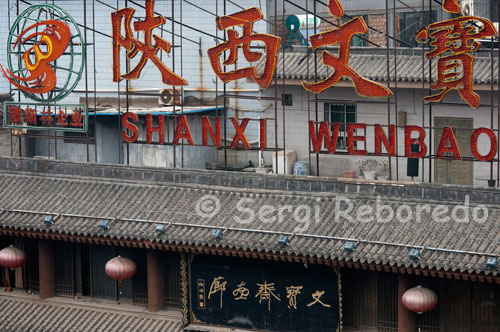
[
  {"x": 44, "y": 56},
  {"x": 147, "y": 48},
  {"x": 342, "y": 37},
  {"x": 41, "y": 77},
  {"x": 45, "y": 60},
  {"x": 453, "y": 41},
  {"x": 246, "y": 20}
]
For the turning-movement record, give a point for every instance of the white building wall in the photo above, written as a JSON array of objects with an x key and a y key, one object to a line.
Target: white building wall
[{"x": 409, "y": 101}]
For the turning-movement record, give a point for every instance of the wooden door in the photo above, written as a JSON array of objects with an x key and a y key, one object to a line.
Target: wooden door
[{"x": 450, "y": 170}]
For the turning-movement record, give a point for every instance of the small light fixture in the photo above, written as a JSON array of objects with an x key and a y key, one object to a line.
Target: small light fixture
[
  {"x": 104, "y": 224},
  {"x": 284, "y": 240},
  {"x": 349, "y": 246},
  {"x": 415, "y": 254},
  {"x": 48, "y": 219},
  {"x": 217, "y": 234},
  {"x": 160, "y": 228},
  {"x": 492, "y": 263}
]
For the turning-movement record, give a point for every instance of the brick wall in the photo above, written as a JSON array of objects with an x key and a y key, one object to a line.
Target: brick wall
[{"x": 378, "y": 22}]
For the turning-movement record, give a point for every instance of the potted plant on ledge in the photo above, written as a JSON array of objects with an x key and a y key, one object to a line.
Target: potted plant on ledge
[
  {"x": 369, "y": 168},
  {"x": 384, "y": 172}
]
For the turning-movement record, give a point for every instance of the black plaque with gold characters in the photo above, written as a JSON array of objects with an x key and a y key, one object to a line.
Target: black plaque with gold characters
[{"x": 262, "y": 295}]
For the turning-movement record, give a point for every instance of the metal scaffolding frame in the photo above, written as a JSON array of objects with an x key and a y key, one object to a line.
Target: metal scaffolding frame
[{"x": 175, "y": 33}]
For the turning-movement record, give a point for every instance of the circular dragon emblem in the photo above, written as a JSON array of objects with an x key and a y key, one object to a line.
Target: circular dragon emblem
[{"x": 45, "y": 53}]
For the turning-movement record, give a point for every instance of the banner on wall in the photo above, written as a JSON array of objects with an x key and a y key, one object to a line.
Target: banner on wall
[{"x": 265, "y": 296}]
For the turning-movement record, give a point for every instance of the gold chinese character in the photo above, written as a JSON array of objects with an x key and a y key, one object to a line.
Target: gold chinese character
[
  {"x": 291, "y": 295},
  {"x": 218, "y": 285},
  {"x": 241, "y": 293},
  {"x": 265, "y": 293},
  {"x": 316, "y": 296}
]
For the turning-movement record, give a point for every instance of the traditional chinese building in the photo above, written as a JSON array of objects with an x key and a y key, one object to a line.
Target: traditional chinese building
[
  {"x": 141, "y": 137},
  {"x": 286, "y": 101},
  {"x": 208, "y": 270}
]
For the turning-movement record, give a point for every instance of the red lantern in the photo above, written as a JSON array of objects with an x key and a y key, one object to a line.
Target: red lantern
[
  {"x": 419, "y": 299},
  {"x": 120, "y": 268},
  {"x": 12, "y": 257}
]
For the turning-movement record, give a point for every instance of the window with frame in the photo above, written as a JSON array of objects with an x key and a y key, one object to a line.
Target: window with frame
[
  {"x": 344, "y": 114},
  {"x": 410, "y": 23}
]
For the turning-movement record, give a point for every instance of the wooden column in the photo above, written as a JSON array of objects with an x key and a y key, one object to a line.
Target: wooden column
[
  {"x": 47, "y": 269},
  {"x": 406, "y": 318},
  {"x": 156, "y": 281}
]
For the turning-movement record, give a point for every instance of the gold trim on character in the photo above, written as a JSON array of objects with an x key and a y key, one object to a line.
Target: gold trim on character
[
  {"x": 184, "y": 289},
  {"x": 341, "y": 323},
  {"x": 194, "y": 319}
]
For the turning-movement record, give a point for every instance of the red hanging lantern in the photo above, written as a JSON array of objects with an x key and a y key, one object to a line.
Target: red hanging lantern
[
  {"x": 120, "y": 268},
  {"x": 419, "y": 299},
  {"x": 12, "y": 257}
]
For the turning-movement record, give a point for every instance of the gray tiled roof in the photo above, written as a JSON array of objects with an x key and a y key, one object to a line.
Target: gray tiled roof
[
  {"x": 134, "y": 203},
  {"x": 23, "y": 315},
  {"x": 374, "y": 67}
]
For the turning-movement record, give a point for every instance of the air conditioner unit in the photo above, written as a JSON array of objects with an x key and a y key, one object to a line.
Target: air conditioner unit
[
  {"x": 467, "y": 7},
  {"x": 169, "y": 97}
]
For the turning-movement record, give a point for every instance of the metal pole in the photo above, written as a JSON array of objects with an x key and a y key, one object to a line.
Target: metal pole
[
  {"x": 276, "y": 101},
  {"x": 388, "y": 63},
  {"x": 316, "y": 80},
  {"x": 225, "y": 100},
  {"x": 430, "y": 104},
  {"x": 182, "y": 87},
  {"x": 498, "y": 101},
  {"x": 423, "y": 84},
  {"x": 492, "y": 98},
  {"x": 127, "y": 103},
  {"x": 282, "y": 103},
  {"x": 95, "y": 81},
  {"x": 120, "y": 141},
  {"x": 217, "y": 112},
  {"x": 174, "y": 102},
  {"x": 307, "y": 92},
  {"x": 395, "y": 87},
  {"x": 86, "y": 74},
  {"x": 176, "y": 118}
]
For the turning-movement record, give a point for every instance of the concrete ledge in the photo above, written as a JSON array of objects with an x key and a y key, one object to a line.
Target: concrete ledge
[
  {"x": 253, "y": 181},
  {"x": 210, "y": 328}
]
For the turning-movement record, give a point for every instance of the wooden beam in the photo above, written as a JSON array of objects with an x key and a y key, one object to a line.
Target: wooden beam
[{"x": 249, "y": 254}]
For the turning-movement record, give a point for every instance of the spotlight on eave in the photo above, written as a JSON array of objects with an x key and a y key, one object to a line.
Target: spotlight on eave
[
  {"x": 217, "y": 234},
  {"x": 104, "y": 224},
  {"x": 492, "y": 263},
  {"x": 349, "y": 246},
  {"x": 160, "y": 228},
  {"x": 415, "y": 254},
  {"x": 48, "y": 219},
  {"x": 284, "y": 240}
]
